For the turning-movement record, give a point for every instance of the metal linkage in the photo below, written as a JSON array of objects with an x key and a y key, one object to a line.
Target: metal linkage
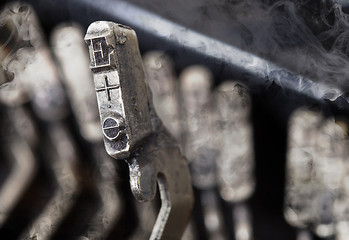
[{"x": 133, "y": 132}]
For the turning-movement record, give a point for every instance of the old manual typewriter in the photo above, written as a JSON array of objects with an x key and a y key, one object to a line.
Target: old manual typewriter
[{"x": 129, "y": 119}]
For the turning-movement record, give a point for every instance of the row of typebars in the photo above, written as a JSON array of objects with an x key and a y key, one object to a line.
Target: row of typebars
[{"x": 57, "y": 181}]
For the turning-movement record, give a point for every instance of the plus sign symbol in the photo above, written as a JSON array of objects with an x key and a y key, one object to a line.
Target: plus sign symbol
[{"x": 107, "y": 88}]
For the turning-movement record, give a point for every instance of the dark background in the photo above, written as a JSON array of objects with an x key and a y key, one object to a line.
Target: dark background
[{"x": 272, "y": 105}]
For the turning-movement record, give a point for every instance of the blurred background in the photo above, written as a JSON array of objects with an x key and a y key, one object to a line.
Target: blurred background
[{"x": 282, "y": 55}]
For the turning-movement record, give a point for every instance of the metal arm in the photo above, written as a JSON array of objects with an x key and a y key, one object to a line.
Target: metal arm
[{"x": 133, "y": 132}]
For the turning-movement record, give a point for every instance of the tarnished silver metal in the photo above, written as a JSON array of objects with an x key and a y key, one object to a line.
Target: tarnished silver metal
[
  {"x": 198, "y": 143},
  {"x": 235, "y": 162},
  {"x": 133, "y": 132},
  {"x": 159, "y": 71},
  {"x": 315, "y": 170},
  {"x": 121, "y": 93},
  {"x": 72, "y": 55}
]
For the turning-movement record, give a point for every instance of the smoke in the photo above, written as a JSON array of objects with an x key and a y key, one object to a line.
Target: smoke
[
  {"x": 298, "y": 44},
  {"x": 300, "y": 39},
  {"x": 309, "y": 38}
]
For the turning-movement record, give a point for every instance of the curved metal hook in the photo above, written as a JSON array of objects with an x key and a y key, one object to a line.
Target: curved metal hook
[{"x": 160, "y": 161}]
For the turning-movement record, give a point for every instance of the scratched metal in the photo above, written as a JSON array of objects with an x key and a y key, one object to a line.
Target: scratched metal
[
  {"x": 133, "y": 132},
  {"x": 123, "y": 125},
  {"x": 315, "y": 170}
]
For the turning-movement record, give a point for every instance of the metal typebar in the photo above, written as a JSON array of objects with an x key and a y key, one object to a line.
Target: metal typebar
[{"x": 133, "y": 132}]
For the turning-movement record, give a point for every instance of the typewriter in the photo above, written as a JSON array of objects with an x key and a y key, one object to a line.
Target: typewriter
[{"x": 129, "y": 119}]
